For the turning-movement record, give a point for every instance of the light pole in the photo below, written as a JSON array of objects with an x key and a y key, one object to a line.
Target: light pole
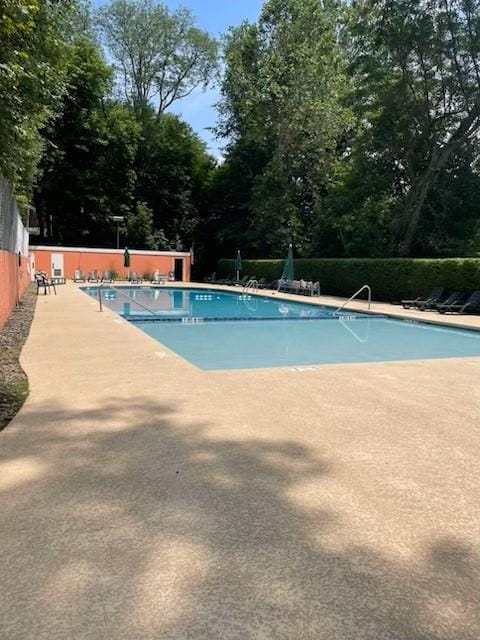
[{"x": 118, "y": 220}]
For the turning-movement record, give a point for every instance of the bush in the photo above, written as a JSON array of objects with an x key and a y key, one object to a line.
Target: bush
[{"x": 390, "y": 279}]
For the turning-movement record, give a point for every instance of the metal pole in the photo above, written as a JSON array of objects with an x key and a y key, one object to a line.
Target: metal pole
[{"x": 100, "y": 297}]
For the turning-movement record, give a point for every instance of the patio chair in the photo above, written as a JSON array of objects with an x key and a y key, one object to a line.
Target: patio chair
[
  {"x": 107, "y": 277},
  {"x": 78, "y": 276},
  {"x": 243, "y": 281},
  {"x": 434, "y": 296},
  {"x": 42, "y": 281},
  {"x": 432, "y": 305},
  {"x": 263, "y": 284},
  {"x": 159, "y": 278},
  {"x": 472, "y": 305},
  {"x": 92, "y": 276},
  {"x": 134, "y": 278},
  {"x": 457, "y": 297},
  {"x": 210, "y": 279}
]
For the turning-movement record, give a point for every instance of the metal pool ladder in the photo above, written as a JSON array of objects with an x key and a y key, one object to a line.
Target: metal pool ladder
[
  {"x": 357, "y": 293},
  {"x": 251, "y": 284}
]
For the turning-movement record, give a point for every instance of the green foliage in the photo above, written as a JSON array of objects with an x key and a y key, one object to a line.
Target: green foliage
[
  {"x": 140, "y": 227},
  {"x": 88, "y": 172},
  {"x": 282, "y": 99},
  {"x": 354, "y": 130},
  {"x": 415, "y": 66},
  {"x": 390, "y": 279},
  {"x": 173, "y": 172},
  {"x": 34, "y": 52},
  {"x": 158, "y": 53}
]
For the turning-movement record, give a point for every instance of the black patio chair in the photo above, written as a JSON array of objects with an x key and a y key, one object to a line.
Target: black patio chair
[
  {"x": 457, "y": 297},
  {"x": 434, "y": 296},
  {"x": 471, "y": 305},
  {"x": 42, "y": 281}
]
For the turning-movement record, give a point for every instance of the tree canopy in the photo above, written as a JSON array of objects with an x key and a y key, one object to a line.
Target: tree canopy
[
  {"x": 159, "y": 54},
  {"x": 349, "y": 128}
]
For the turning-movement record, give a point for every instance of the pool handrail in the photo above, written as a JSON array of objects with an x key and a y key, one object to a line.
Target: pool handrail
[
  {"x": 365, "y": 286},
  {"x": 251, "y": 284}
]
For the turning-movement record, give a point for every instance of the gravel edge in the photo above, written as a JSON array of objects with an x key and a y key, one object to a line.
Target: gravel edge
[{"x": 13, "y": 380}]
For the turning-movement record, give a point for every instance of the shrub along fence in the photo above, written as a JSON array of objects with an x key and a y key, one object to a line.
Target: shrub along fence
[{"x": 390, "y": 279}]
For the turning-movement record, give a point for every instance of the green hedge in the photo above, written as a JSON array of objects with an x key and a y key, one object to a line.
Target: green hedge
[{"x": 390, "y": 279}]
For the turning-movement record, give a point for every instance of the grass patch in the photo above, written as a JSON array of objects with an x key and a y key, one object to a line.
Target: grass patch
[{"x": 12, "y": 397}]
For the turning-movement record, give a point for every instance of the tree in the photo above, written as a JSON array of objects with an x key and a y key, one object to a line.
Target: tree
[
  {"x": 88, "y": 170},
  {"x": 418, "y": 64},
  {"x": 282, "y": 97},
  {"x": 140, "y": 227},
  {"x": 34, "y": 51},
  {"x": 173, "y": 172},
  {"x": 159, "y": 54}
]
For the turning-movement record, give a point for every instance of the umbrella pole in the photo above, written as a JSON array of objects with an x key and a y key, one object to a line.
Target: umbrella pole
[{"x": 238, "y": 275}]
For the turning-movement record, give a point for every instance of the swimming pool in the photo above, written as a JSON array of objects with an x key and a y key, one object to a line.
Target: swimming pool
[
  {"x": 206, "y": 328},
  {"x": 175, "y": 304}
]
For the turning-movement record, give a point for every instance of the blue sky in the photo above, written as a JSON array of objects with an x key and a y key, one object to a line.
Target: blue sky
[{"x": 214, "y": 16}]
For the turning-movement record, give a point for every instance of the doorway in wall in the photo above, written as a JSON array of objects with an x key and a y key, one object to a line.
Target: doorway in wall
[
  {"x": 57, "y": 265},
  {"x": 178, "y": 269}
]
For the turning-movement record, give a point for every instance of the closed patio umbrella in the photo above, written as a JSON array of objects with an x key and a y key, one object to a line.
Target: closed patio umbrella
[
  {"x": 288, "y": 272},
  {"x": 238, "y": 264},
  {"x": 126, "y": 261}
]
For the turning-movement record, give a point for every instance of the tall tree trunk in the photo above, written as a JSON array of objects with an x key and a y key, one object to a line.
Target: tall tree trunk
[{"x": 412, "y": 209}]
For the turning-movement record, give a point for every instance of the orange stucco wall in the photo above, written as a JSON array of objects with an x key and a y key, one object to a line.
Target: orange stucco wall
[
  {"x": 99, "y": 261},
  {"x": 14, "y": 280}
]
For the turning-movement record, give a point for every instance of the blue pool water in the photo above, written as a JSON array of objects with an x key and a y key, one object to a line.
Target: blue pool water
[
  {"x": 170, "y": 303},
  {"x": 308, "y": 334}
]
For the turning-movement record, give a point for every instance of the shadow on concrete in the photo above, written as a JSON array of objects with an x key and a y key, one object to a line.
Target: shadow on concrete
[{"x": 125, "y": 523}]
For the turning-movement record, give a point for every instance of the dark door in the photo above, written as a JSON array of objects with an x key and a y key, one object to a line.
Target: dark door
[{"x": 178, "y": 269}]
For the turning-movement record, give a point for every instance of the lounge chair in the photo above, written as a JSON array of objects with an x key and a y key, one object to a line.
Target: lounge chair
[
  {"x": 42, "y": 281},
  {"x": 242, "y": 282},
  {"x": 457, "y": 297},
  {"x": 263, "y": 284},
  {"x": 472, "y": 305},
  {"x": 78, "y": 276},
  {"x": 134, "y": 278},
  {"x": 223, "y": 280},
  {"x": 211, "y": 279},
  {"x": 107, "y": 277},
  {"x": 434, "y": 296},
  {"x": 159, "y": 278},
  {"x": 92, "y": 276}
]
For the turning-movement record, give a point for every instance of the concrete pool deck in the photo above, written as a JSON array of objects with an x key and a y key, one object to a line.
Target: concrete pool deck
[{"x": 142, "y": 498}]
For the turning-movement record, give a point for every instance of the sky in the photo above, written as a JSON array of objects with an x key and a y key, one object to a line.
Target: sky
[{"x": 214, "y": 16}]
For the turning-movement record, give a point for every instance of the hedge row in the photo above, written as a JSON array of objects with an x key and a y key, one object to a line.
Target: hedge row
[{"x": 390, "y": 279}]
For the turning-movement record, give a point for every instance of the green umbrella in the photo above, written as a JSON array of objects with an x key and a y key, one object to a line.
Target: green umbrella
[
  {"x": 238, "y": 264},
  {"x": 288, "y": 275},
  {"x": 126, "y": 260}
]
